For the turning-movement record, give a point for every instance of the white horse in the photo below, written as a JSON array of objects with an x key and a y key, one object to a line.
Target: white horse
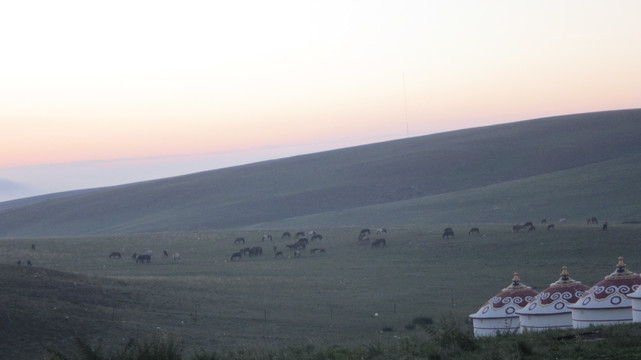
[{"x": 177, "y": 257}]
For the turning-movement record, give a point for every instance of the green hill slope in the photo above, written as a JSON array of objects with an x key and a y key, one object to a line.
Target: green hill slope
[
  {"x": 608, "y": 190},
  {"x": 452, "y": 163}
]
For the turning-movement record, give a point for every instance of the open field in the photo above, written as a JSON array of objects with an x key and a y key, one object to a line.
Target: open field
[{"x": 213, "y": 304}]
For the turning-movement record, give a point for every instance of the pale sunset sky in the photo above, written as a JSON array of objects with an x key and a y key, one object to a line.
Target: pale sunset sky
[{"x": 99, "y": 93}]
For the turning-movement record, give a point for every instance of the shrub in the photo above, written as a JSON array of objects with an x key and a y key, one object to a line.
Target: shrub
[{"x": 157, "y": 347}]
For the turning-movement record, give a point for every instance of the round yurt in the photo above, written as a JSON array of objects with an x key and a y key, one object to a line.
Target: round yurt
[
  {"x": 549, "y": 309},
  {"x": 607, "y": 302},
  {"x": 498, "y": 315},
  {"x": 635, "y": 299}
]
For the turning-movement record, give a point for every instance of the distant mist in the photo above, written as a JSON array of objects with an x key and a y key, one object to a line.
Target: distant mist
[{"x": 28, "y": 181}]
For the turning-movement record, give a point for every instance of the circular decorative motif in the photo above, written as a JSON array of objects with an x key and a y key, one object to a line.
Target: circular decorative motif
[
  {"x": 559, "y": 306},
  {"x": 615, "y": 300},
  {"x": 532, "y": 306},
  {"x": 486, "y": 309},
  {"x": 586, "y": 300},
  {"x": 510, "y": 310},
  {"x": 518, "y": 300}
]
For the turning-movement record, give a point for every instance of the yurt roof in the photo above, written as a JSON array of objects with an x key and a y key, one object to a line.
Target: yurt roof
[
  {"x": 612, "y": 291},
  {"x": 556, "y": 298},
  {"x": 507, "y": 302}
]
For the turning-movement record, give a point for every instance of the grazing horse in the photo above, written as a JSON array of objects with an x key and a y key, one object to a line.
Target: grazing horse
[
  {"x": 315, "y": 250},
  {"x": 236, "y": 256},
  {"x": 363, "y": 239},
  {"x": 381, "y": 231},
  {"x": 267, "y": 237},
  {"x": 29, "y": 263},
  {"x": 115, "y": 255},
  {"x": 448, "y": 233},
  {"x": 177, "y": 257},
  {"x": 255, "y": 251},
  {"x": 316, "y": 237},
  {"x": 239, "y": 240},
  {"x": 286, "y": 234},
  {"x": 165, "y": 253},
  {"x": 474, "y": 230},
  {"x": 378, "y": 243},
  {"x": 531, "y": 228},
  {"x": 528, "y": 224},
  {"x": 33, "y": 246},
  {"x": 551, "y": 227},
  {"x": 593, "y": 220},
  {"x": 278, "y": 254},
  {"x": 134, "y": 256},
  {"x": 516, "y": 228},
  {"x": 365, "y": 231},
  {"x": 300, "y": 233},
  {"x": 605, "y": 226},
  {"x": 143, "y": 258}
]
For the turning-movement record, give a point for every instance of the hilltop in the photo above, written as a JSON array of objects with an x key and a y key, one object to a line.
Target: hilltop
[{"x": 571, "y": 166}]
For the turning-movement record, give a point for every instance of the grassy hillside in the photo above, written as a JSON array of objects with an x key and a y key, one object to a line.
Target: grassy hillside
[
  {"x": 424, "y": 169},
  {"x": 608, "y": 190}
]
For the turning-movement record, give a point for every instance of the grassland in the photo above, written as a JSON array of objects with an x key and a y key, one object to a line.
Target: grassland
[{"x": 350, "y": 296}]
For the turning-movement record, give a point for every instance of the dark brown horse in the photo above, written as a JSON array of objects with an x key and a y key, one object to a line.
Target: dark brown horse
[
  {"x": 474, "y": 230},
  {"x": 316, "y": 237},
  {"x": 255, "y": 251},
  {"x": 236, "y": 256},
  {"x": 448, "y": 233},
  {"x": 143, "y": 258},
  {"x": 115, "y": 255}
]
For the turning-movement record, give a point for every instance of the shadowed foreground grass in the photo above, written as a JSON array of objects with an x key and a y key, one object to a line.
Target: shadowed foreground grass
[{"x": 445, "y": 340}]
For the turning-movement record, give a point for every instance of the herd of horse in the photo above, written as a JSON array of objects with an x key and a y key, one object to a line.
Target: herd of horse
[
  {"x": 303, "y": 239},
  {"x": 448, "y": 233},
  {"x": 144, "y": 258},
  {"x": 295, "y": 248}
]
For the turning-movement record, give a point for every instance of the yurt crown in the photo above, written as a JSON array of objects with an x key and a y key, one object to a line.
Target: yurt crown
[
  {"x": 565, "y": 275},
  {"x": 620, "y": 265},
  {"x": 516, "y": 281},
  {"x": 621, "y": 271}
]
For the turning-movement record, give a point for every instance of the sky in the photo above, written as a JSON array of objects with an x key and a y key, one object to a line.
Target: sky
[{"x": 97, "y": 93}]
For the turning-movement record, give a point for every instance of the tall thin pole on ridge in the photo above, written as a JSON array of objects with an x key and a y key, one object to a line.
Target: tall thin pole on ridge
[{"x": 407, "y": 126}]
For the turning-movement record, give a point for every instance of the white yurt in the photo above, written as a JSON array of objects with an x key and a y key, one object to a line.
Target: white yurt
[
  {"x": 549, "y": 309},
  {"x": 498, "y": 315},
  {"x": 607, "y": 302},
  {"x": 635, "y": 299}
]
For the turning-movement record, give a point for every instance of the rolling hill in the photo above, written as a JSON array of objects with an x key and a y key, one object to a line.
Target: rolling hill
[{"x": 572, "y": 166}]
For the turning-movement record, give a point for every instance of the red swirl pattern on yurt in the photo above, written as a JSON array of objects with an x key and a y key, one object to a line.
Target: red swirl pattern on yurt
[
  {"x": 606, "y": 288},
  {"x": 568, "y": 295},
  {"x": 520, "y": 299}
]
